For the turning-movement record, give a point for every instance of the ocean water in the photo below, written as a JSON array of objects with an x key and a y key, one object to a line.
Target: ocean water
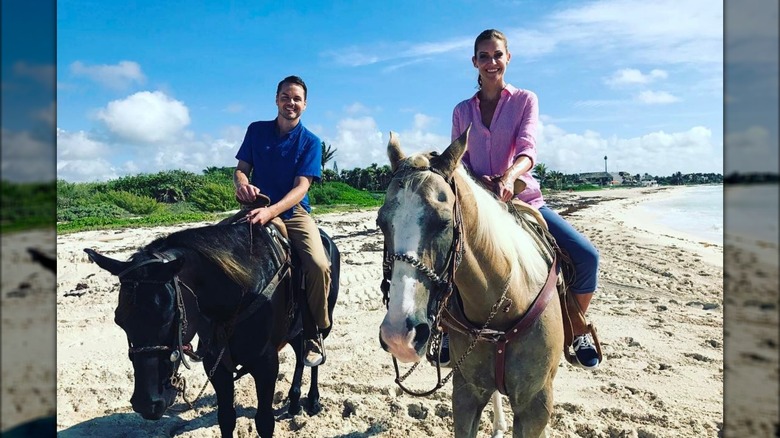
[
  {"x": 695, "y": 210},
  {"x": 752, "y": 212}
]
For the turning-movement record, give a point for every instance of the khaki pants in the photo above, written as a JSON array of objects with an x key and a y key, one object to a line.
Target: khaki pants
[{"x": 305, "y": 239}]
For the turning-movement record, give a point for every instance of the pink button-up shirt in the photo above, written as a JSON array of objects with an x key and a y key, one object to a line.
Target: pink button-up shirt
[{"x": 512, "y": 133}]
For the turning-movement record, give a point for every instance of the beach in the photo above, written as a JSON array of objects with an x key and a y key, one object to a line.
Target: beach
[
  {"x": 658, "y": 311},
  {"x": 28, "y": 329}
]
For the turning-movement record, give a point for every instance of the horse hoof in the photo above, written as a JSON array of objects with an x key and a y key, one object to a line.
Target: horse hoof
[
  {"x": 294, "y": 410},
  {"x": 314, "y": 408}
]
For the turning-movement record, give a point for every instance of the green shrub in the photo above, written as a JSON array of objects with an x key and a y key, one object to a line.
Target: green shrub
[
  {"x": 167, "y": 183},
  {"x": 332, "y": 193},
  {"x": 326, "y": 194},
  {"x": 215, "y": 197},
  {"x": 134, "y": 204},
  {"x": 100, "y": 209}
]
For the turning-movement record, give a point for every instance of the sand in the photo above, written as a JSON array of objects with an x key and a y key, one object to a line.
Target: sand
[
  {"x": 28, "y": 330},
  {"x": 658, "y": 310}
]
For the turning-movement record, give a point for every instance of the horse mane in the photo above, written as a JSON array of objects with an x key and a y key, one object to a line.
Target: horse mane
[
  {"x": 493, "y": 217},
  {"x": 514, "y": 242},
  {"x": 227, "y": 246}
]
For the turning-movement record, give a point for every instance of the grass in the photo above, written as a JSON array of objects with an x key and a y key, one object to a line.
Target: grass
[{"x": 332, "y": 197}]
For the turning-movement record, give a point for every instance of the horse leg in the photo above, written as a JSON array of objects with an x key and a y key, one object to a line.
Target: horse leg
[
  {"x": 468, "y": 401},
  {"x": 294, "y": 396},
  {"x": 222, "y": 381},
  {"x": 265, "y": 385},
  {"x": 314, "y": 393},
  {"x": 532, "y": 421},
  {"x": 499, "y": 419}
]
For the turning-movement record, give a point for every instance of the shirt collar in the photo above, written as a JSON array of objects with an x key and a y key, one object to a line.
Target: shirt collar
[{"x": 508, "y": 89}]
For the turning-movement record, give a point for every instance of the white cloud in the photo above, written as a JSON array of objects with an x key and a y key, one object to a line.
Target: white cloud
[
  {"x": 632, "y": 76},
  {"x": 194, "y": 155},
  {"x": 45, "y": 74},
  {"x": 752, "y": 32},
  {"x": 657, "y": 153},
  {"x": 80, "y": 158},
  {"x": 420, "y": 139},
  {"x": 356, "y": 56},
  {"x": 48, "y": 114},
  {"x": 118, "y": 76},
  {"x": 656, "y": 97},
  {"x": 658, "y": 32},
  {"x": 355, "y": 109},
  {"x": 146, "y": 117},
  {"x": 751, "y": 150},
  {"x": 26, "y": 158},
  {"x": 234, "y": 108},
  {"x": 358, "y": 142},
  {"x": 79, "y": 146}
]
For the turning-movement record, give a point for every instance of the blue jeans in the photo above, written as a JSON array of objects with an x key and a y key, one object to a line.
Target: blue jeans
[{"x": 582, "y": 275}]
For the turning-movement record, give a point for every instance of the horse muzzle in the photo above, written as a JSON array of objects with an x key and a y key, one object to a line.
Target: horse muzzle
[
  {"x": 406, "y": 343},
  {"x": 153, "y": 408}
]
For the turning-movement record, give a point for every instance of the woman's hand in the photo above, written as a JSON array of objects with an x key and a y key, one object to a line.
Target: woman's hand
[
  {"x": 489, "y": 183},
  {"x": 504, "y": 189}
]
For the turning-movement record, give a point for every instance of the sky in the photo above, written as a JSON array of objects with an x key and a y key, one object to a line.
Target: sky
[
  {"x": 27, "y": 91},
  {"x": 144, "y": 87}
]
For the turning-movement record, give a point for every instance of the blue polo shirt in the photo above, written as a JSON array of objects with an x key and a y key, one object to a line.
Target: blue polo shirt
[{"x": 277, "y": 161}]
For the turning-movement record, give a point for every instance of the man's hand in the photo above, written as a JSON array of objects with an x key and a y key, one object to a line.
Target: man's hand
[
  {"x": 260, "y": 215},
  {"x": 247, "y": 192}
]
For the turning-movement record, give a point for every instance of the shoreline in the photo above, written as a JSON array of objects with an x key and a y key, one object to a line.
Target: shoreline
[{"x": 625, "y": 206}]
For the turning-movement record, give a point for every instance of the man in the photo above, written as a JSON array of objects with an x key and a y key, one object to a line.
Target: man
[{"x": 284, "y": 158}]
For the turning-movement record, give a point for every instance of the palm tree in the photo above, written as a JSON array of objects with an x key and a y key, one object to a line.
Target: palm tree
[
  {"x": 327, "y": 154},
  {"x": 540, "y": 172},
  {"x": 556, "y": 178}
]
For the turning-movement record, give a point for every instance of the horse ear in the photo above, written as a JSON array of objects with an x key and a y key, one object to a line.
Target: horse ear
[
  {"x": 449, "y": 159},
  {"x": 166, "y": 271},
  {"x": 107, "y": 263},
  {"x": 394, "y": 152}
]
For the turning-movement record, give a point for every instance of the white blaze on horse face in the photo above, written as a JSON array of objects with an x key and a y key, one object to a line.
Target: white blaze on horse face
[{"x": 405, "y": 284}]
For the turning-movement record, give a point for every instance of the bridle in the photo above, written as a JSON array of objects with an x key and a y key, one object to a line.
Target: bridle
[
  {"x": 179, "y": 349},
  {"x": 442, "y": 285}
]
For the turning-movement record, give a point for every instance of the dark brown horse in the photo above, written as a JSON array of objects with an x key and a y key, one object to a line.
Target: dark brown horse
[{"x": 230, "y": 284}]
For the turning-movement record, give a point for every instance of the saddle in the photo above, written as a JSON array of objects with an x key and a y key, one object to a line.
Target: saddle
[
  {"x": 286, "y": 297},
  {"x": 571, "y": 311}
]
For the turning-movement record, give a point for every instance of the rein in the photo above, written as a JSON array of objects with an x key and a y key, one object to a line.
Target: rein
[{"x": 444, "y": 287}]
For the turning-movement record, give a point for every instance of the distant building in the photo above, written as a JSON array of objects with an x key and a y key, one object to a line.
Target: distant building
[
  {"x": 606, "y": 178},
  {"x": 600, "y": 178}
]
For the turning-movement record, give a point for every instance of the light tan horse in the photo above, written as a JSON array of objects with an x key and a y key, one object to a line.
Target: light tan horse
[{"x": 442, "y": 229}]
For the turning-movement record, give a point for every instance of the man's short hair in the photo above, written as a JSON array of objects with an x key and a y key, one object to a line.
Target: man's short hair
[{"x": 292, "y": 80}]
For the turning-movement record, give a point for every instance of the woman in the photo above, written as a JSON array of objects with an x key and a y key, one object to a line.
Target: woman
[{"x": 502, "y": 149}]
